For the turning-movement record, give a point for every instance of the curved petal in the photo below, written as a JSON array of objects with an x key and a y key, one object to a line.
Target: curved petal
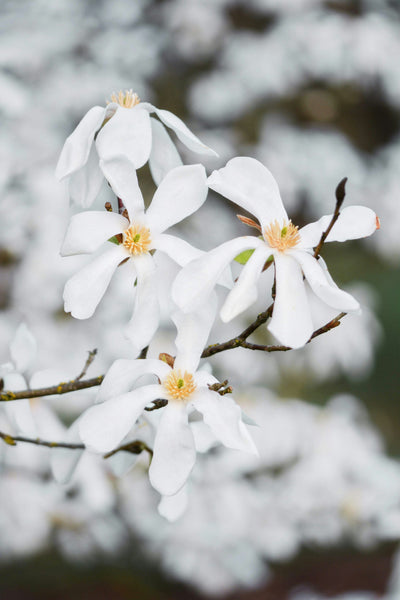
[
  {"x": 174, "y": 451},
  {"x": 63, "y": 461},
  {"x": 182, "y": 131},
  {"x": 84, "y": 185},
  {"x": 291, "y": 320},
  {"x": 249, "y": 184},
  {"x": 173, "y": 507},
  {"x": 224, "y": 417},
  {"x": 245, "y": 290},
  {"x": 179, "y": 250},
  {"x": 103, "y": 426},
  {"x": 182, "y": 191},
  {"x": 77, "y": 146},
  {"x": 330, "y": 294},
  {"x": 123, "y": 373},
  {"x": 88, "y": 230},
  {"x": 20, "y": 415},
  {"x": 127, "y": 133},
  {"x": 23, "y": 348},
  {"x": 146, "y": 313},
  {"x": 85, "y": 289},
  {"x": 122, "y": 177},
  {"x": 163, "y": 156},
  {"x": 195, "y": 282}
]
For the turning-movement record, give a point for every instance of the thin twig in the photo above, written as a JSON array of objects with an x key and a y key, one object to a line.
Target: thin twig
[
  {"x": 60, "y": 388},
  {"x": 89, "y": 360},
  {"x": 340, "y": 195}
]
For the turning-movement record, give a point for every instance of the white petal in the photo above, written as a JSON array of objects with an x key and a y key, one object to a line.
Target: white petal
[
  {"x": 204, "y": 439},
  {"x": 193, "y": 331},
  {"x": 291, "y": 321},
  {"x": 354, "y": 222},
  {"x": 179, "y": 250},
  {"x": 23, "y": 348},
  {"x": 182, "y": 191},
  {"x": 122, "y": 177},
  {"x": 182, "y": 131},
  {"x": 195, "y": 282},
  {"x": 88, "y": 230},
  {"x": 224, "y": 418},
  {"x": 245, "y": 290},
  {"x": 63, "y": 461},
  {"x": 103, "y": 426},
  {"x": 164, "y": 156},
  {"x": 85, "y": 184},
  {"x": 146, "y": 313},
  {"x": 173, "y": 507},
  {"x": 123, "y": 373},
  {"x": 316, "y": 277},
  {"x": 174, "y": 451},
  {"x": 127, "y": 133},
  {"x": 249, "y": 184},
  {"x": 20, "y": 415},
  {"x": 85, "y": 289},
  {"x": 77, "y": 146},
  {"x": 122, "y": 462}
]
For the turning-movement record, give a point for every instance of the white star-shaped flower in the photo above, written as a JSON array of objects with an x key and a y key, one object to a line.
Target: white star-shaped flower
[
  {"x": 104, "y": 425},
  {"x": 249, "y": 184},
  {"x": 137, "y": 234},
  {"x": 122, "y": 128}
]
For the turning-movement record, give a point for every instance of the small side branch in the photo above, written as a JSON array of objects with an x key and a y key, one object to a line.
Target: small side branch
[
  {"x": 340, "y": 195},
  {"x": 90, "y": 359}
]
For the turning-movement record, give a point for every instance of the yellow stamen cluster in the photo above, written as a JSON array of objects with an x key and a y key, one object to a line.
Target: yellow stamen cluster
[
  {"x": 178, "y": 386},
  {"x": 127, "y": 100},
  {"x": 136, "y": 239},
  {"x": 282, "y": 238}
]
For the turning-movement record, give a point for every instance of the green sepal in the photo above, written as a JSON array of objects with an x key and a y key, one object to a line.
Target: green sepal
[
  {"x": 114, "y": 240},
  {"x": 244, "y": 256}
]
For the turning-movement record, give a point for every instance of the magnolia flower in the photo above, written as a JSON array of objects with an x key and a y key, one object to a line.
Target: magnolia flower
[
  {"x": 185, "y": 388},
  {"x": 137, "y": 234},
  {"x": 122, "y": 128},
  {"x": 249, "y": 184}
]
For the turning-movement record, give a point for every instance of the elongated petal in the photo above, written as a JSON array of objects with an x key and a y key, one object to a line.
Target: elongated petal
[
  {"x": 193, "y": 331},
  {"x": 245, "y": 290},
  {"x": 88, "y": 230},
  {"x": 85, "y": 289},
  {"x": 123, "y": 373},
  {"x": 23, "y": 348},
  {"x": 174, "y": 451},
  {"x": 146, "y": 313},
  {"x": 163, "y": 156},
  {"x": 20, "y": 415},
  {"x": 103, "y": 426},
  {"x": 127, "y": 133},
  {"x": 291, "y": 321},
  {"x": 85, "y": 184},
  {"x": 182, "y": 191},
  {"x": 77, "y": 146},
  {"x": 179, "y": 250},
  {"x": 195, "y": 282},
  {"x": 63, "y": 461},
  {"x": 316, "y": 277},
  {"x": 354, "y": 222},
  {"x": 224, "y": 418},
  {"x": 249, "y": 184},
  {"x": 173, "y": 507},
  {"x": 122, "y": 177},
  {"x": 182, "y": 131}
]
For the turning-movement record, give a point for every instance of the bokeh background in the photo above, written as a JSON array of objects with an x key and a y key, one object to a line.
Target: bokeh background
[{"x": 312, "y": 89}]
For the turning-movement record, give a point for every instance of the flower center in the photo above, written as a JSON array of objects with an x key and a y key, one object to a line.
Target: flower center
[
  {"x": 136, "y": 239},
  {"x": 282, "y": 238},
  {"x": 127, "y": 100},
  {"x": 179, "y": 386}
]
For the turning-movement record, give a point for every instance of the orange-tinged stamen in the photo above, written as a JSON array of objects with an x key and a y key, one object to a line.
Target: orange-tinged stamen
[
  {"x": 136, "y": 239},
  {"x": 282, "y": 238},
  {"x": 127, "y": 100},
  {"x": 179, "y": 386}
]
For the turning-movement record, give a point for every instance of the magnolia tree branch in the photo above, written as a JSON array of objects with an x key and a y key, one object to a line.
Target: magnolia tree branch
[{"x": 340, "y": 193}]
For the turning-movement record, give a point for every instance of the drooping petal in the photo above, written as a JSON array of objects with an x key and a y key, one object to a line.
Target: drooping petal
[
  {"x": 182, "y": 131},
  {"x": 103, "y": 426},
  {"x": 163, "y": 156},
  {"x": 291, "y": 321},
  {"x": 123, "y": 373},
  {"x": 182, "y": 191},
  {"x": 174, "y": 451},
  {"x": 249, "y": 184},
  {"x": 146, "y": 313},
  {"x": 354, "y": 222},
  {"x": 122, "y": 177},
  {"x": 88, "y": 230},
  {"x": 316, "y": 277},
  {"x": 197, "y": 279},
  {"x": 193, "y": 331},
  {"x": 127, "y": 133},
  {"x": 245, "y": 290},
  {"x": 85, "y": 289},
  {"x": 179, "y": 250},
  {"x": 23, "y": 348},
  {"x": 224, "y": 418},
  {"x": 84, "y": 185},
  {"x": 173, "y": 507},
  {"x": 77, "y": 146},
  {"x": 63, "y": 461}
]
